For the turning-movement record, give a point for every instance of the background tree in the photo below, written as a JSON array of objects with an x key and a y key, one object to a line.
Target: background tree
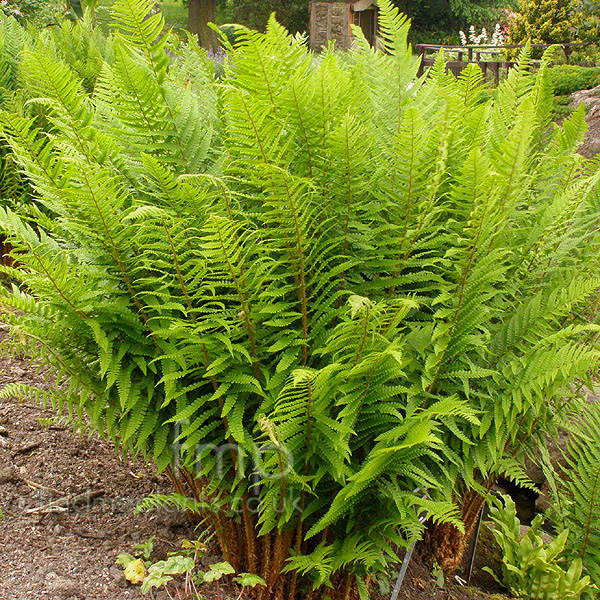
[
  {"x": 201, "y": 13},
  {"x": 586, "y": 19},
  {"x": 543, "y": 22},
  {"x": 293, "y": 14},
  {"x": 440, "y": 20},
  {"x": 40, "y": 12},
  {"x": 558, "y": 22},
  {"x": 432, "y": 20}
]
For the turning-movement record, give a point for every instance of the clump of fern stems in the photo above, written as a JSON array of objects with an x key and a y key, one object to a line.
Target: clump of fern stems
[{"x": 307, "y": 290}]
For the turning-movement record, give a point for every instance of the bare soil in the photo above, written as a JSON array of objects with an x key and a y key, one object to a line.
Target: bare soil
[{"x": 71, "y": 554}]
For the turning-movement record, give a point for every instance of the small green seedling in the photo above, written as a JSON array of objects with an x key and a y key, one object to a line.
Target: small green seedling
[
  {"x": 247, "y": 580},
  {"x": 159, "y": 574},
  {"x": 145, "y": 550},
  {"x": 140, "y": 570},
  {"x": 217, "y": 571},
  {"x": 438, "y": 574}
]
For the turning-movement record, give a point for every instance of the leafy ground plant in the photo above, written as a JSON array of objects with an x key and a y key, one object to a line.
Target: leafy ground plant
[
  {"x": 308, "y": 289},
  {"x": 532, "y": 569},
  {"x": 139, "y": 569}
]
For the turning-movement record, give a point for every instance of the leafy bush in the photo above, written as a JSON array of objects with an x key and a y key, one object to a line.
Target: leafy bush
[
  {"x": 531, "y": 568},
  {"x": 562, "y": 107},
  {"x": 39, "y": 12},
  {"x": 555, "y": 22},
  {"x": 318, "y": 285},
  {"x": 542, "y": 22},
  {"x": 255, "y": 13},
  {"x": 566, "y": 79}
]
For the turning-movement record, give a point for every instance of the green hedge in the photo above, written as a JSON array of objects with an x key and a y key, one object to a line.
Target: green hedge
[{"x": 567, "y": 79}]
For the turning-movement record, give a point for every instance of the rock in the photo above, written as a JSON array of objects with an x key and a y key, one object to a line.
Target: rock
[
  {"x": 62, "y": 587},
  {"x": 556, "y": 449},
  {"x": 58, "y": 529},
  {"x": 117, "y": 576},
  {"x": 593, "y": 395},
  {"x": 546, "y": 537},
  {"x": 544, "y": 500},
  {"x": 8, "y": 474},
  {"x": 3, "y": 431},
  {"x": 591, "y": 98}
]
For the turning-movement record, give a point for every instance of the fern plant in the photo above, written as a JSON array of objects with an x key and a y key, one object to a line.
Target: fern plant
[
  {"x": 12, "y": 41},
  {"x": 79, "y": 45},
  {"x": 307, "y": 289},
  {"x": 577, "y": 494}
]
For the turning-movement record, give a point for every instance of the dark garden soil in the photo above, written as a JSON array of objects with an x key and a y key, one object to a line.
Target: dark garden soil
[{"x": 71, "y": 554}]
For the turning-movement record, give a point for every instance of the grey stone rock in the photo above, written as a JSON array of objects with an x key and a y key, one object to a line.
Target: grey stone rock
[
  {"x": 557, "y": 448},
  {"x": 8, "y": 474},
  {"x": 544, "y": 501},
  {"x": 591, "y": 98},
  {"x": 117, "y": 577},
  {"x": 546, "y": 537},
  {"x": 62, "y": 587}
]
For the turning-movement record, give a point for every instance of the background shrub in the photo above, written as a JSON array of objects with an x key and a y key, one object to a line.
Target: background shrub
[
  {"x": 566, "y": 79},
  {"x": 40, "y": 12}
]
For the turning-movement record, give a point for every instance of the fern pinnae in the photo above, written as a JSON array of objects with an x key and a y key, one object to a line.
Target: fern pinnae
[
  {"x": 594, "y": 494},
  {"x": 298, "y": 261},
  {"x": 468, "y": 263},
  {"x": 221, "y": 228},
  {"x": 144, "y": 30}
]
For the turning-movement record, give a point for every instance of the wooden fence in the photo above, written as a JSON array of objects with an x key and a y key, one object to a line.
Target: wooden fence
[{"x": 480, "y": 54}]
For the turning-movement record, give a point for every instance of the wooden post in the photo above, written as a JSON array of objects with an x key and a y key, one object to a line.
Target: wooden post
[
  {"x": 470, "y": 54},
  {"x": 496, "y": 70},
  {"x": 421, "y": 52},
  {"x": 567, "y": 51}
]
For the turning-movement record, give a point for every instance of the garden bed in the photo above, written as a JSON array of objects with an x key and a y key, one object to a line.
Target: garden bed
[
  {"x": 68, "y": 554},
  {"x": 72, "y": 554}
]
